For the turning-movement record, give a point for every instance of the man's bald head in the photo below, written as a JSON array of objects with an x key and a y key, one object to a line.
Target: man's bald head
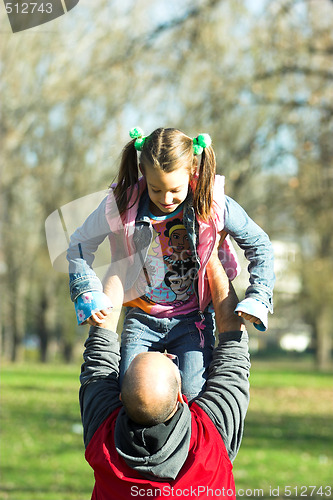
[{"x": 150, "y": 388}]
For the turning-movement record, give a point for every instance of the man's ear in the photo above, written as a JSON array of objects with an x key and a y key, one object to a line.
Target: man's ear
[
  {"x": 180, "y": 397},
  {"x": 120, "y": 397}
]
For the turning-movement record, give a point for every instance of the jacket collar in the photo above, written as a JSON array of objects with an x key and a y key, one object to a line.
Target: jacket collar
[{"x": 143, "y": 208}]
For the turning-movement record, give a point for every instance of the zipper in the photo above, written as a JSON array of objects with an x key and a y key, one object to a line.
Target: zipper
[
  {"x": 144, "y": 268},
  {"x": 203, "y": 264},
  {"x": 146, "y": 275},
  {"x": 201, "y": 314}
]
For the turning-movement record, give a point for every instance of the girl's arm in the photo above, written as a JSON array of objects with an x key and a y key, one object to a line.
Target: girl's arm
[
  {"x": 85, "y": 287},
  {"x": 258, "y": 250},
  {"x": 86, "y": 239}
]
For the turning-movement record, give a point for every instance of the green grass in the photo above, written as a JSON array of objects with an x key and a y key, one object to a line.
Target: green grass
[
  {"x": 287, "y": 440},
  {"x": 42, "y": 453},
  {"x": 288, "y": 434}
]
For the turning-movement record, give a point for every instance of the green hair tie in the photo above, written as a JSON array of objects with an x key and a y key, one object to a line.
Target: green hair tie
[
  {"x": 137, "y": 133},
  {"x": 200, "y": 143}
]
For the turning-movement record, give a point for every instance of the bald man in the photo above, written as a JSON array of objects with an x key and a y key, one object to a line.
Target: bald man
[{"x": 147, "y": 442}]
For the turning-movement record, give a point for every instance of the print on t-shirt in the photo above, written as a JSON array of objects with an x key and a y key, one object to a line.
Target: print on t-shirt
[
  {"x": 179, "y": 247},
  {"x": 169, "y": 271}
]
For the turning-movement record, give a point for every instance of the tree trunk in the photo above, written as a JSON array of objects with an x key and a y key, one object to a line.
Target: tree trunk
[
  {"x": 15, "y": 320},
  {"x": 43, "y": 332},
  {"x": 324, "y": 339},
  {"x": 16, "y": 339},
  {"x": 68, "y": 351}
]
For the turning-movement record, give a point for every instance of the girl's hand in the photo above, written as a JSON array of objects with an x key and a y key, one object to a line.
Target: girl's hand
[
  {"x": 249, "y": 317},
  {"x": 98, "y": 317}
]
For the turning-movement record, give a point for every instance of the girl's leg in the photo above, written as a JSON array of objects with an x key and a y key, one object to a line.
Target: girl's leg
[
  {"x": 185, "y": 341},
  {"x": 141, "y": 333}
]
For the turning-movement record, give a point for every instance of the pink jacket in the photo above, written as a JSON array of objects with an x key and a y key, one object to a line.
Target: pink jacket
[{"x": 207, "y": 235}]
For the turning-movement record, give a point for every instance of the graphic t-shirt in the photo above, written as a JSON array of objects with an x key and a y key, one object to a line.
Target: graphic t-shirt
[{"x": 166, "y": 284}]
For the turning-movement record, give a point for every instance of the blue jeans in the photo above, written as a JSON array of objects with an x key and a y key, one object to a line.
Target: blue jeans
[{"x": 178, "y": 335}]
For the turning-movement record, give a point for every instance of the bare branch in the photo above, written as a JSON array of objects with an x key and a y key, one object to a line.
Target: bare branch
[
  {"x": 291, "y": 103},
  {"x": 294, "y": 69}
]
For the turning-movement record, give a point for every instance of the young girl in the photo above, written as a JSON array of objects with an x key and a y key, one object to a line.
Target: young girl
[{"x": 169, "y": 220}]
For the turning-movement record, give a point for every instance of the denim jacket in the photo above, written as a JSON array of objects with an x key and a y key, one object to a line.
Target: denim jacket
[{"x": 247, "y": 234}]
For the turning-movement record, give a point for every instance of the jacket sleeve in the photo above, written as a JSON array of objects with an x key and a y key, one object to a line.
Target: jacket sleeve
[
  {"x": 99, "y": 391},
  {"x": 226, "y": 397},
  {"x": 88, "y": 302},
  {"x": 81, "y": 252},
  {"x": 258, "y": 250}
]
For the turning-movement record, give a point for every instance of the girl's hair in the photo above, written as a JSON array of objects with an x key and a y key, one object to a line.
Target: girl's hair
[{"x": 168, "y": 149}]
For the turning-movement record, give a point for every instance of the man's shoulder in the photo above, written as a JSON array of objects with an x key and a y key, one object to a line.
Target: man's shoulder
[
  {"x": 104, "y": 432},
  {"x": 205, "y": 435},
  {"x": 200, "y": 418}
]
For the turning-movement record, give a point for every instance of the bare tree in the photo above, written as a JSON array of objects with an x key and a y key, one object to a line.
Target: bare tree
[
  {"x": 259, "y": 81},
  {"x": 66, "y": 93}
]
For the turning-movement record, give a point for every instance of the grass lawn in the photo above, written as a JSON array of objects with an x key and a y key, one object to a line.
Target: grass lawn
[
  {"x": 42, "y": 453},
  {"x": 288, "y": 438},
  {"x": 287, "y": 446}
]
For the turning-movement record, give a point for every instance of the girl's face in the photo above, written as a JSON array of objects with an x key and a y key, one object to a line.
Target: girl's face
[{"x": 166, "y": 190}]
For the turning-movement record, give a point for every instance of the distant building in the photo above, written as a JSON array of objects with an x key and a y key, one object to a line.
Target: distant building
[
  {"x": 285, "y": 261},
  {"x": 285, "y": 267}
]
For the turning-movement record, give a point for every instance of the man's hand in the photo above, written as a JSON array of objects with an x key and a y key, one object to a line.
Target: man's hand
[{"x": 249, "y": 317}]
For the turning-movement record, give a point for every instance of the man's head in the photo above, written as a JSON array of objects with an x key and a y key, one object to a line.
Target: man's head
[{"x": 151, "y": 389}]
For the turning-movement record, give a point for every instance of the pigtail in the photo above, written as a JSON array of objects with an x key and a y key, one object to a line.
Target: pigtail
[
  {"x": 203, "y": 193},
  {"x": 128, "y": 177}
]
